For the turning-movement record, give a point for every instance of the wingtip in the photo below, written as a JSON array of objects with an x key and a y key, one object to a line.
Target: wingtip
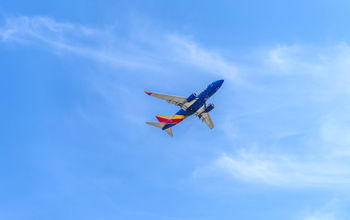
[{"x": 148, "y": 93}]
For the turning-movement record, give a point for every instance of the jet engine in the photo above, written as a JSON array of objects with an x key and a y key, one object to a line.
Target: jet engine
[
  {"x": 192, "y": 97},
  {"x": 209, "y": 108}
]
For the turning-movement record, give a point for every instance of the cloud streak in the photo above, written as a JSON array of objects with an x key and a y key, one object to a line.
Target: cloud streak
[
  {"x": 304, "y": 143},
  {"x": 279, "y": 170},
  {"x": 157, "y": 52}
]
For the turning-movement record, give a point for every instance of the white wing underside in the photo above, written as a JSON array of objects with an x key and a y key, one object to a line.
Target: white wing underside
[
  {"x": 182, "y": 102},
  {"x": 176, "y": 100},
  {"x": 204, "y": 116}
]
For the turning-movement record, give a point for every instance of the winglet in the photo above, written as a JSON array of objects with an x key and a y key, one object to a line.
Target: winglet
[{"x": 148, "y": 93}]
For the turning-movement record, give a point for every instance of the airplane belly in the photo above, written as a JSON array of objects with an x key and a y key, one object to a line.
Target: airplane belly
[
  {"x": 188, "y": 104},
  {"x": 196, "y": 107},
  {"x": 200, "y": 110}
]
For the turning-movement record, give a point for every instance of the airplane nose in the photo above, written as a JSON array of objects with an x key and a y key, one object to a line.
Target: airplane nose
[{"x": 220, "y": 82}]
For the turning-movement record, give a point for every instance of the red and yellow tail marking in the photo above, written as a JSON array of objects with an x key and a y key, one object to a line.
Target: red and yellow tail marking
[{"x": 170, "y": 120}]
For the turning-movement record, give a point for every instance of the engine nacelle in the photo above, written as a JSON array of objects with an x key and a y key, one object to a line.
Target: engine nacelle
[
  {"x": 192, "y": 97},
  {"x": 209, "y": 108}
]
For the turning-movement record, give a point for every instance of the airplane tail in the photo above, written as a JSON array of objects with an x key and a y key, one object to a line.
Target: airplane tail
[
  {"x": 161, "y": 125},
  {"x": 170, "y": 120}
]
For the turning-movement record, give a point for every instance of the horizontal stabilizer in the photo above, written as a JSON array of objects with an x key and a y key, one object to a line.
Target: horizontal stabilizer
[
  {"x": 161, "y": 125},
  {"x": 168, "y": 130},
  {"x": 155, "y": 124}
]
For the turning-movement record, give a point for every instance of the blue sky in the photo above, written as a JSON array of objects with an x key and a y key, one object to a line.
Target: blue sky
[{"x": 74, "y": 140}]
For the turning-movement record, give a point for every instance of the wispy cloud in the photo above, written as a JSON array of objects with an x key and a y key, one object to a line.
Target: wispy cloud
[
  {"x": 279, "y": 170},
  {"x": 62, "y": 37},
  {"x": 121, "y": 49},
  {"x": 207, "y": 60},
  {"x": 329, "y": 211},
  {"x": 309, "y": 84},
  {"x": 320, "y": 216}
]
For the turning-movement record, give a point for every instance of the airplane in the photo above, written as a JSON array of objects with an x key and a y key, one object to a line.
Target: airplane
[{"x": 193, "y": 105}]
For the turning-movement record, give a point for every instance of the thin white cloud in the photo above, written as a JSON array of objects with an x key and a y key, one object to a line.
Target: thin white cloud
[
  {"x": 323, "y": 216},
  {"x": 320, "y": 216},
  {"x": 122, "y": 49},
  {"x": 207, "y": 60},
  {"x": 279, "y": 170},
  {"x": 310, "y": 85},
  {"x": 60, "y": 37},
  {"x": 329, "y": 211}
]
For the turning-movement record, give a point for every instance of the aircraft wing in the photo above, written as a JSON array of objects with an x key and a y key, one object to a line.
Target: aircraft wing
[
  {"x": 176, "y": 100},
  {"x": 205, "y": 117}
]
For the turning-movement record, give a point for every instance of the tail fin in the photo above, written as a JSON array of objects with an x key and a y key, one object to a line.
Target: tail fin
[
  {"x": 170, "y": 120},
  {"x": 161, "y": 125},
  {"x": 163, "y": 119}
]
